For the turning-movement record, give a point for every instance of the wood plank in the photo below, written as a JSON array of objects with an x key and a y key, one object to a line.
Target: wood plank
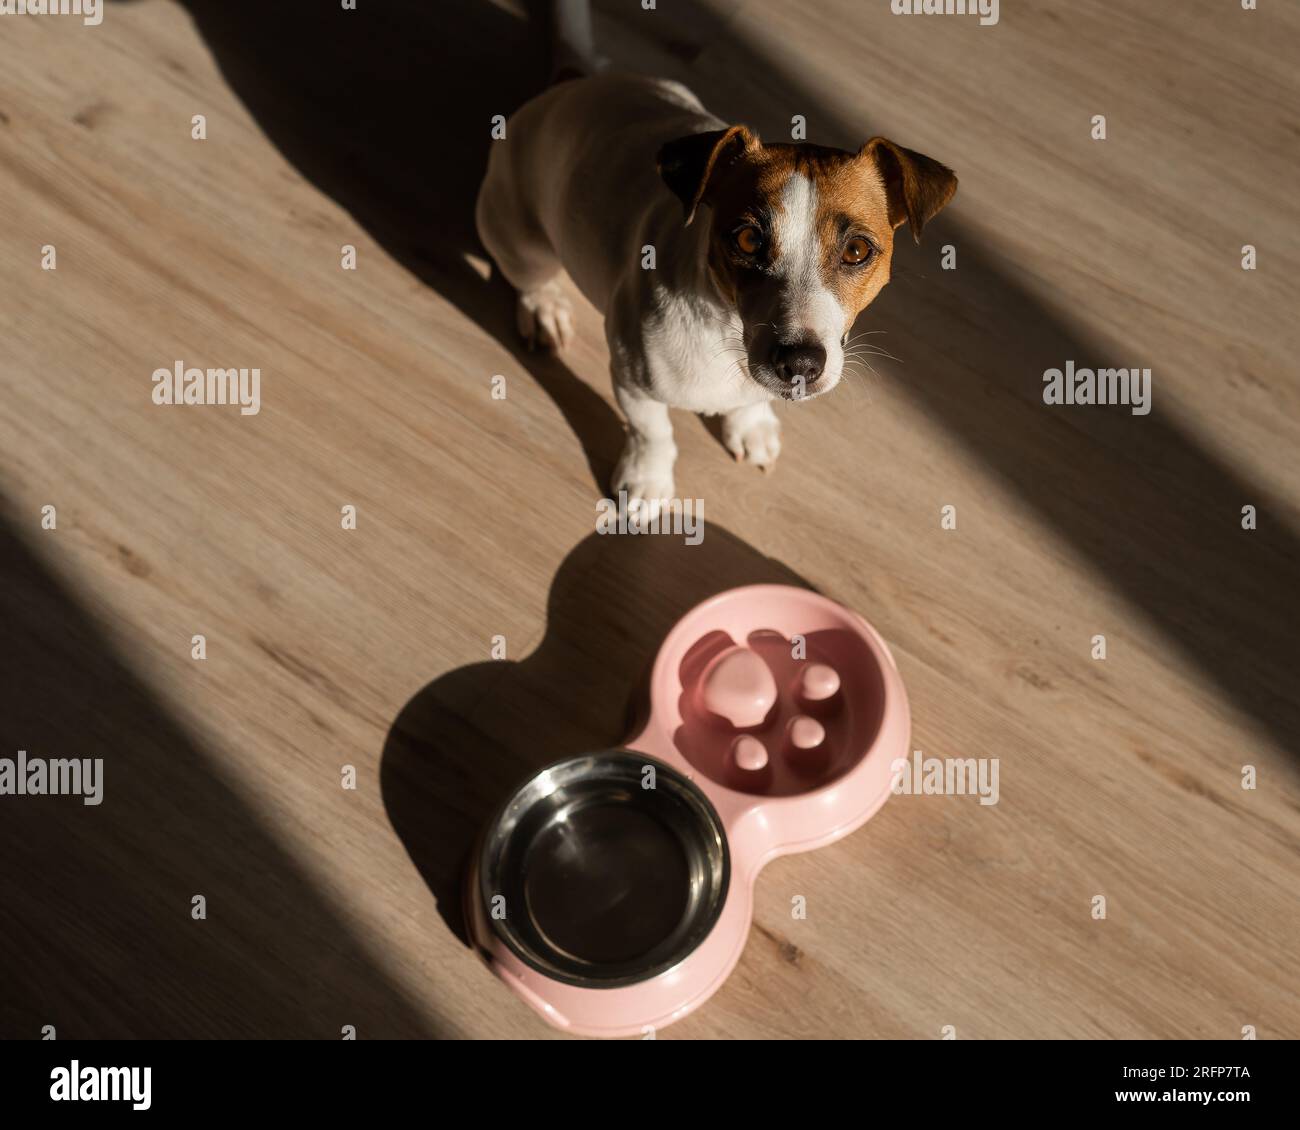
[{"x": 371, "y": 648}]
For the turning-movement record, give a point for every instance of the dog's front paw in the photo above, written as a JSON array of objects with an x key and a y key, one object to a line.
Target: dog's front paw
[
  {"x": 545, "y": 317},
  {"x": 645, "y": 474},
  {"x": 753, "y": 435}
]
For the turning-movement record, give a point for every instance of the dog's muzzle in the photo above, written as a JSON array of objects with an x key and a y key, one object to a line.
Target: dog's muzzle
[{"x": 798, "y": 364}]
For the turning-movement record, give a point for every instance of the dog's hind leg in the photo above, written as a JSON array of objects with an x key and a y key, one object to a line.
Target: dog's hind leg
[
  {"x": 544, "y": 315},
  {"x": 524, "y": 256}
]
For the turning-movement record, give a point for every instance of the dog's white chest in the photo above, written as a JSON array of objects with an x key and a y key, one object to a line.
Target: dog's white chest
[{"x": 696, "y": 362}]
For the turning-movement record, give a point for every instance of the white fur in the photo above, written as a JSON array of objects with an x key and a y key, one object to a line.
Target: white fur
[
  {"x": 574, "y": 187},
  {"x": 813, "y": 311}
]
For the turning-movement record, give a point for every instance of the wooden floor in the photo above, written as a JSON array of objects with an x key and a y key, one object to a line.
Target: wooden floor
[{"x": 371, "y": 647}]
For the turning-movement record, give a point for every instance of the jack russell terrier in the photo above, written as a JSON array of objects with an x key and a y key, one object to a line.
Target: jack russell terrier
[{"x": 751, "y": 305}]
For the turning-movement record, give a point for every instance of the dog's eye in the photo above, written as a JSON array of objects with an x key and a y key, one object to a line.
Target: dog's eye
[
  {"x": 749, "y": 239},
  {"x": 856, "y": 251}
]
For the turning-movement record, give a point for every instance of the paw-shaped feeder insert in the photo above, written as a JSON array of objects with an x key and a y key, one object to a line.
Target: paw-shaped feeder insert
[
  {"x": 771, "y": 713},
  {"x": 614, "y": 891}
]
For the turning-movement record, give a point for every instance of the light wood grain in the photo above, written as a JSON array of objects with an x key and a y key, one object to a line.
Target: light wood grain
[{"x": 371, "y": 647}]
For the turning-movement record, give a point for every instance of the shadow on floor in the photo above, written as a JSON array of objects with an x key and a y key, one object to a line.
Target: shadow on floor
[
  {"x": 387, "y": 115},
  {"x": 96, "y": 933},
  {"x": 1154, "y": 512},
  {"x": 388, "y": 112},
  {"x": 461, "y": 743}
]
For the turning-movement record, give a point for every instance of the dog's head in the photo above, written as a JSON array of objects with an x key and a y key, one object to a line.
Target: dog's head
[{"x": 800, "y": 239}]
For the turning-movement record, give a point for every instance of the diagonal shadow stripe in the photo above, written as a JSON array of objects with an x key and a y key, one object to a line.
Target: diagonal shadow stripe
[
  {"x": 402, "y": 144},
  {"x": 96, "y": 936},
  {"x": 1154, "y": 512}
]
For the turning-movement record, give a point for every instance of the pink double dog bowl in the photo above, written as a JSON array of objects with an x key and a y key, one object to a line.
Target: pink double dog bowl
[{"x": 614, "y": 891}]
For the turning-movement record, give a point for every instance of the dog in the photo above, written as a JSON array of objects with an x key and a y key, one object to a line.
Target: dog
[{"x": 609, "y": 177}]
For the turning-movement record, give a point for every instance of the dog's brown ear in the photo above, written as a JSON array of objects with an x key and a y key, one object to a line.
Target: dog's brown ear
[
  {"x": 918, "y": 186},
  {"x": 690, "y": 163}
]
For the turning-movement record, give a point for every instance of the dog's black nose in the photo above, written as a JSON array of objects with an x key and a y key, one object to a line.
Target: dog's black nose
[{"x": 804, "y": 361}]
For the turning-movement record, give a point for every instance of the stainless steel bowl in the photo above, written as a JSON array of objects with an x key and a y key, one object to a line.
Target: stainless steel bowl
[{"x": 605, "y": 882}]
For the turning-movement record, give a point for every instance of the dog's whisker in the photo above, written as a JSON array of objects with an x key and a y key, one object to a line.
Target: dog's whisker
[
  {"x": 863, "y": 378},
  {"x": 860, "y": 363},
  {"x": 853, "y": 386},
  {"x": 860, "y": 360},
  {"x": 869, "y": 351},
  {"x": 695, "y": 308},
  {"x": 730, "y": 323},
  {"x": 738, "y": 350}
]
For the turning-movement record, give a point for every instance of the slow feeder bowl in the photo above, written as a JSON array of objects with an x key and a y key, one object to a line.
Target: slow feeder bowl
[{"x": 613, "y": 891}]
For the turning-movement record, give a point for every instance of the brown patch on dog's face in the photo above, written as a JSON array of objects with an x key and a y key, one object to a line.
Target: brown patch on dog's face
[{"x": 800, "y": 242}]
